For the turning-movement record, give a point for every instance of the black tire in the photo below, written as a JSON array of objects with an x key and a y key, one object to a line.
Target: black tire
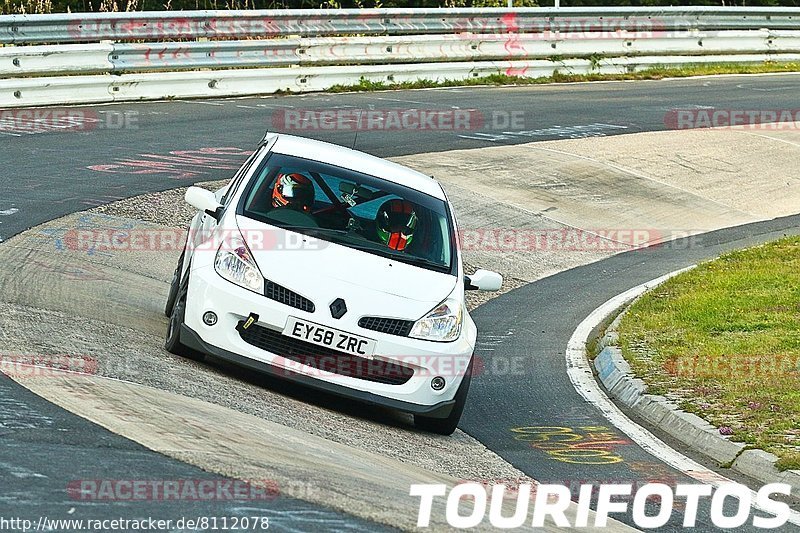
[
  {"x": 446, "y": 426},
  {"x": 172, "y": 343},
  {"x": 174, "y": 286}
]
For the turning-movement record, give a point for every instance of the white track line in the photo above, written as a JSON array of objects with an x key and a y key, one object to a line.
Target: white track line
[
  {"x": 765, "y": 136},
  {"x": 580, "y": 373}
]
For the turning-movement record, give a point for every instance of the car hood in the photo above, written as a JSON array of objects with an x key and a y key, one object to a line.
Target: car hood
[{"x": 323, "y": 272}]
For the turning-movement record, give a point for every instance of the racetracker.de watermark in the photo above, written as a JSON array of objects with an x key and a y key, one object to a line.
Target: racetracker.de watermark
[
  {"x": 355, "y": 119},
  {"x": 761, "y": 119},
  {"x": 275, "y": 239},
  {"x": 594, "y": 28},
  {"x": 570, "y": 239},
  {"x": 400, "y": 366},
  {"x": 18, "y": 122},
  {"x": 764, "y": 366},
  {"x": 171, "y": 240},
  {"x": 30, "y": 365},
  {"x": 538, "y": 27},
  {"x": 172, "y": 490}
]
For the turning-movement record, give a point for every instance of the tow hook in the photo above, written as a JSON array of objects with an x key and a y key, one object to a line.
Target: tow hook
[{"x": 244, "y": 324}]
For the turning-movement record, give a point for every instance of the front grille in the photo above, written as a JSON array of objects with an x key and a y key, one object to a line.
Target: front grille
[
  {"x": 325, "y": 358},
  {"x": 281, "y": 294},
  {"x": 390, "y": 326}
]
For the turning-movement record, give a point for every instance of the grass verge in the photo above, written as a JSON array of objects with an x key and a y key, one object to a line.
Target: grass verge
[
  {"x": 653, "y": 73},
  {"x": 723, "y": 340}
]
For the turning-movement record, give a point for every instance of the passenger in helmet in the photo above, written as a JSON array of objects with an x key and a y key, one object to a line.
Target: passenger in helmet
[
  {"x": 395, "y": 222},
  {"x": 294, "y": 191}
]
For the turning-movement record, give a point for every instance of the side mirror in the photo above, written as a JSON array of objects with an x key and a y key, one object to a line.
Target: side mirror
[
  {"x": 203, "y": 200},
  {"x": 483, "y": 280}
]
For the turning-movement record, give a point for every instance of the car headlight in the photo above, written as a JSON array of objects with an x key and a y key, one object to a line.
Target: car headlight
[
  {"x": 443, "y": 324},
  {"x": 235, "y": 263}
]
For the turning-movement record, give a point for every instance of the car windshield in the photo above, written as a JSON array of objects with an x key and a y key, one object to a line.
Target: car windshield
[{"x": 352, "y": 209}]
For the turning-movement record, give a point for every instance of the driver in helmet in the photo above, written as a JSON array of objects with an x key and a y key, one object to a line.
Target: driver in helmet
[
  {"x": 395, "y": 222},
  {"x": 294, "y": 191}
]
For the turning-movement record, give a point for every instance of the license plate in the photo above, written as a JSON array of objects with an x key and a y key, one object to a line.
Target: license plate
[{"x": 329, "y": 337}]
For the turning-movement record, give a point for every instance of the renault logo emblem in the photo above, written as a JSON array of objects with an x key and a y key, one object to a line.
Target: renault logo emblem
[{"x": 338, "y": 308}]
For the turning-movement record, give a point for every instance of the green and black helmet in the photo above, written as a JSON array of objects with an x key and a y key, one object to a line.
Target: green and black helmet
[{"x": 396, "y": 221}]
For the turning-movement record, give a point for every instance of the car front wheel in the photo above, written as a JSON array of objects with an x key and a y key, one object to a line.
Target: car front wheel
[
  {"x": 173, "y": 341},
  {"x": 174, "y": 286},
  {"x": 446, "y": 426}
]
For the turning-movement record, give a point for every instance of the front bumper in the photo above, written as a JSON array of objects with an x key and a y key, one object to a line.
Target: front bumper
[
  {"x": 232, "y": 304},
  {"x": 438, "y": 410}
]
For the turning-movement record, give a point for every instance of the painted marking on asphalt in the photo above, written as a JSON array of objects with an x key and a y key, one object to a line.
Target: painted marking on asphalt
[
  {"x": 582, "y": 378},
  {"x": 16, "y": 414},
  {"x": 200, "y": 102},
  {"x": 328, "y": 108},
  {"x": 178, "y": 164},
  {"x": 16, "y": 127},
  {"x": 654, "y": 472},
  {"x": 397, "y": 100},
  {"x": 449, "y": 89},
  {"x": 488, "y": 343},
  {"x": 770, "y": 90},
  {"x": 585, "y": 445},
  {"x": 18, "y": 471},
  {"x": 686, "y": 106},
  {"x": 302, "y": 520},
  {"x": 557, "y": 132},
  {"x": 274, "y": 106}
]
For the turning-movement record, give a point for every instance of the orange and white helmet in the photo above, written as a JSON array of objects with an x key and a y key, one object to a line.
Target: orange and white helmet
[{"x": 294, "y": 191}]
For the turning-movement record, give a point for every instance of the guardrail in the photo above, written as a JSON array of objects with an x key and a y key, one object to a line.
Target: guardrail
[
  {"x": 170, "y": 25},
  {"x": 303, "y": 50}
]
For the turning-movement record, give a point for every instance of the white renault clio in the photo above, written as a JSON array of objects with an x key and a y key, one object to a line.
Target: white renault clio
[{"x": 334, "y": 269}]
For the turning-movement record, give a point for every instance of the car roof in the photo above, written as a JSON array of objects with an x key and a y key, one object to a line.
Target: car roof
[{"x": 358, "y": 161}]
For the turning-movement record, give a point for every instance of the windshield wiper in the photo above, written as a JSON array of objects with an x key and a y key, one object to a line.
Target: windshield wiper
[
  {"x": 317, "y": 229},
  {"x": 418, "y": 261}
]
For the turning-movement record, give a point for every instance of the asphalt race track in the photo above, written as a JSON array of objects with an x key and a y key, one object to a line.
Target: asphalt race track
[
  {"x": 46, "y": 449},
  {"x": 533, "y": 325},
  {"x": 44, "y": 175}
]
